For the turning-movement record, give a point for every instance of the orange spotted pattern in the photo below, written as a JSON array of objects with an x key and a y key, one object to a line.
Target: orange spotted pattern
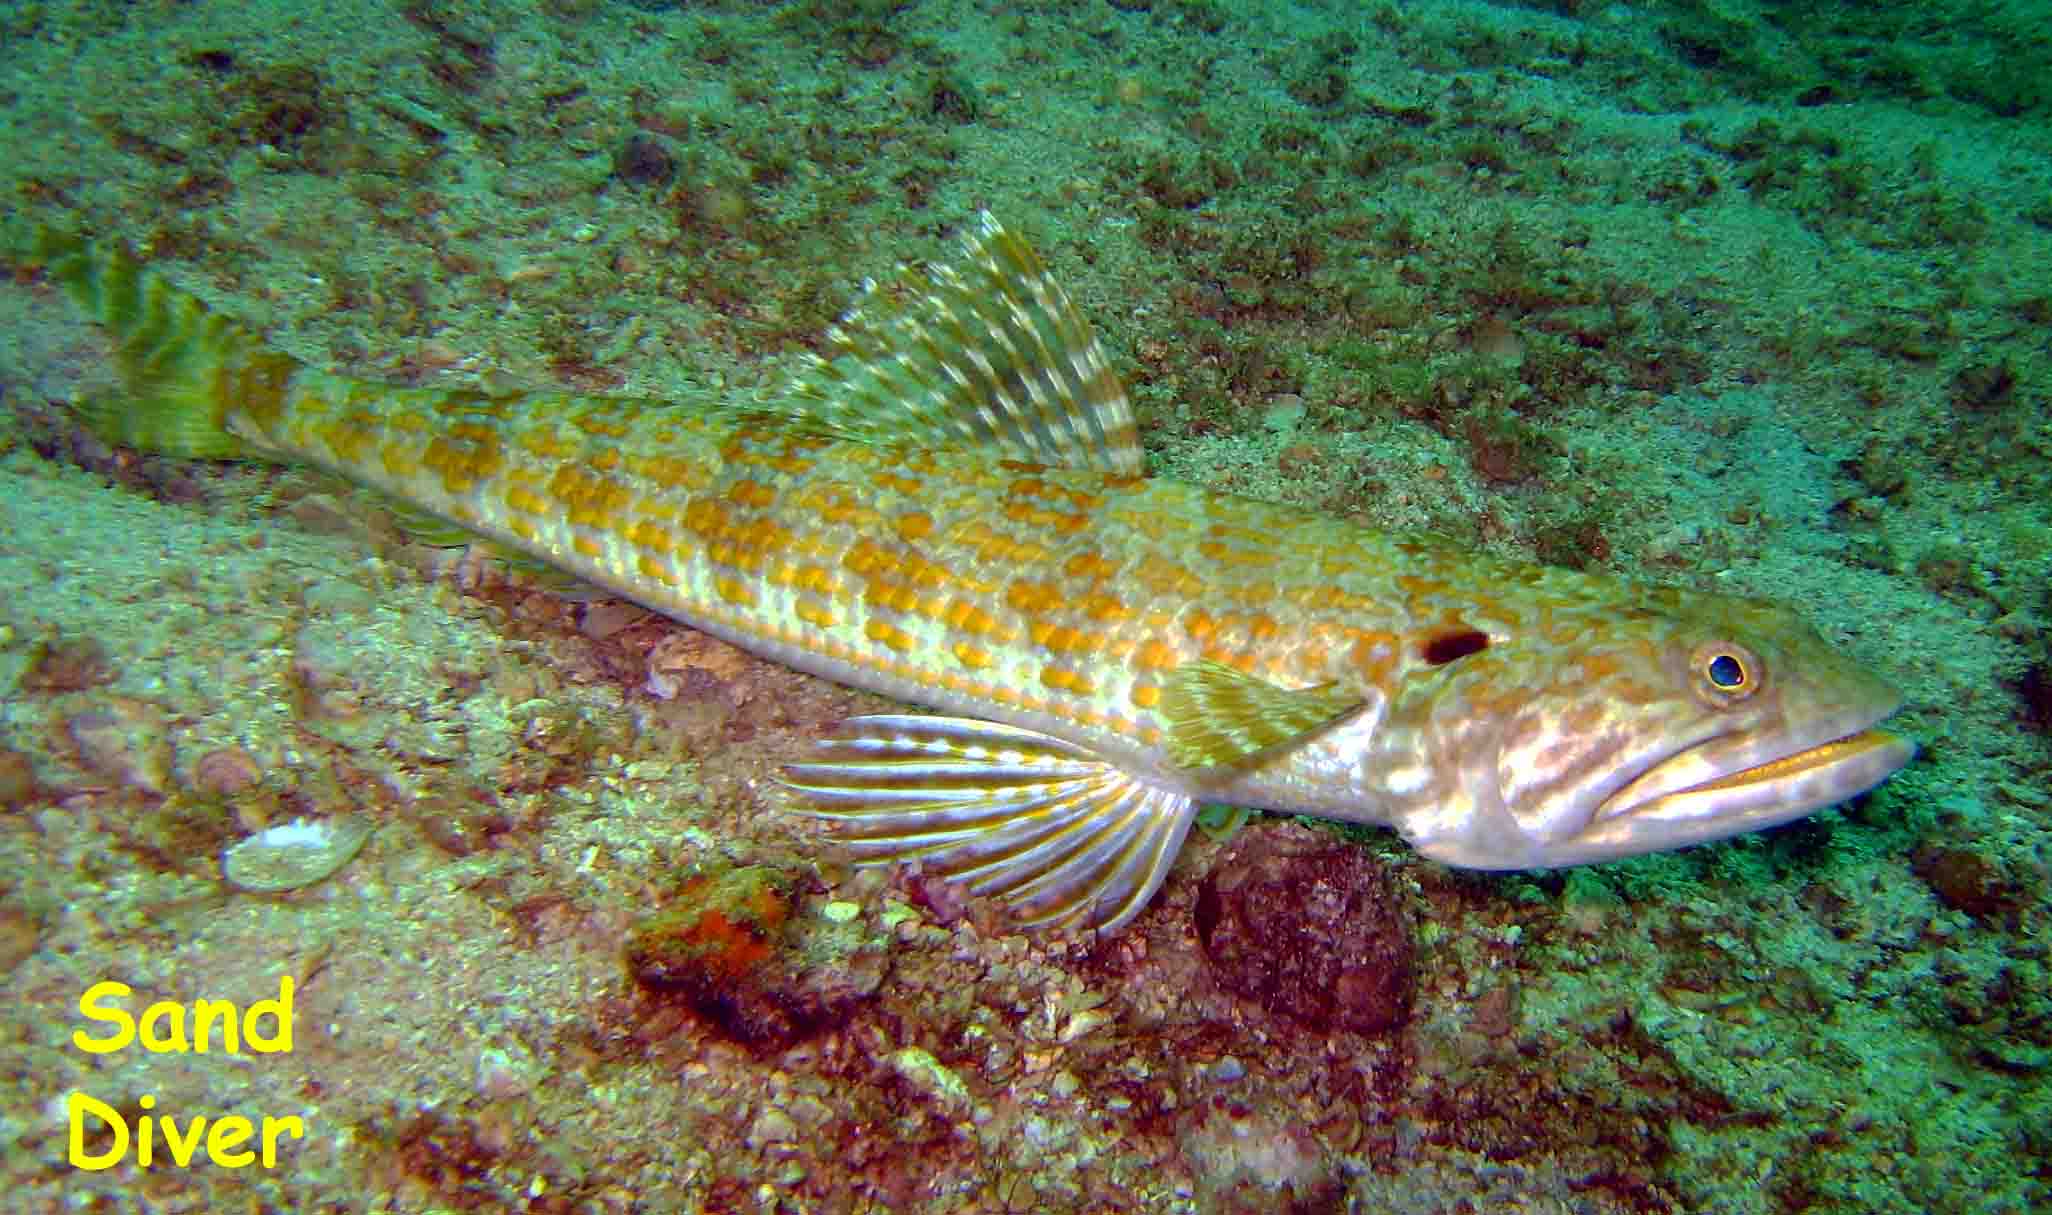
[{"x": 987, "y": 587}]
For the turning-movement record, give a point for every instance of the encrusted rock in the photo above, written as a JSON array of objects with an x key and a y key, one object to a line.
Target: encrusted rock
[
  {"x": 1310, "y": 928},
  {"x": 1250, "y": 1158}
]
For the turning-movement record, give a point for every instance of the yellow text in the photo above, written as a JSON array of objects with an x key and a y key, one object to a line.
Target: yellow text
[
  {"x": 166, "y": 1027},
  {"x": 223, "y": 1138}
]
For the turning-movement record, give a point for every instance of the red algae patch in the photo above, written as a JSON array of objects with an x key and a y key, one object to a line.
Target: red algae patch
[
  {"x": 718, "y": 930},
  {"x": 728, "y": 947}
]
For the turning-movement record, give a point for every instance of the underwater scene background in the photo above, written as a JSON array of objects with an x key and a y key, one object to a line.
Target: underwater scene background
[{"x": 487, "y": 872}]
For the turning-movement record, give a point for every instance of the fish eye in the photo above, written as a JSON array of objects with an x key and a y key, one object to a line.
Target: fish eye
[{"x": 1728, "y": 672}]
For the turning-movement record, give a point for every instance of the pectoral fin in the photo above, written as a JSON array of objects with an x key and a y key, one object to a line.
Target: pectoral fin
[
  {"x": 1218, "y": 715},
  {"x": 1056, "y": 832}
]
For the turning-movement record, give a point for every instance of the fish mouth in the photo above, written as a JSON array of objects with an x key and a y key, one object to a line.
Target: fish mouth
[{"x": 1709, "y": 791}]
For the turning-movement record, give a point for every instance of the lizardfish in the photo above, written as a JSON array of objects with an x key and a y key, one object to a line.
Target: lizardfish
[{"x": 949, "y": 506}]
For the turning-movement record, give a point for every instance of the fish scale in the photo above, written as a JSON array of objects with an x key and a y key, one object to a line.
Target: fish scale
[
  {"x": 1062, "y": 595},
  {"x": 949, "y": 507}
]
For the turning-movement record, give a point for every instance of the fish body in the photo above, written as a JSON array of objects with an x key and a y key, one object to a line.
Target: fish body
[{"x": 950, "y": 508}]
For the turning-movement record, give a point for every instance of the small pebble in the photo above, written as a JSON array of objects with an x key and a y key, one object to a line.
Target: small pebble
[
  {"x": 20, "y": 933},
  {"x": 930, "y": 1076},
  {"x": 606, "y": 617},
  {"x": 326, "y": 515},
  {"x": 124, "y": 743},
  {"x": 17, "y": 779},
  {"x": 771, "y": 1126},
  {"x": 644, "y": 160},
  {"x": 503, "y": 1074},
  {"x": 225, "y": 772}
]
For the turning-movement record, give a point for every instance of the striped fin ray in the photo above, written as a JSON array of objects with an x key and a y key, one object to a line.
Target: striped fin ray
[
  {"x": 987, "y": 354},
  {"x": 1057, "y": 833},
  {"x": 1219, "y": 715}
]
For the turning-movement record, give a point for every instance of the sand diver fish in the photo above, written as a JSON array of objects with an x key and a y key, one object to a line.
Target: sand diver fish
[{"x": 949, "y": 507}]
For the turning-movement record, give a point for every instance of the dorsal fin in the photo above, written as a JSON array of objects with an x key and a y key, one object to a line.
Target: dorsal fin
[{"x": 988, "y": 354}]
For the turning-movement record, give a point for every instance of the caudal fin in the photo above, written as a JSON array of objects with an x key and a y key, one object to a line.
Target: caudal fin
[{"x": 183, "y": 368}]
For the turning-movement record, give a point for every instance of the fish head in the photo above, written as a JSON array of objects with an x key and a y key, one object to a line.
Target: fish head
[{"x": 1676, "y": 720}]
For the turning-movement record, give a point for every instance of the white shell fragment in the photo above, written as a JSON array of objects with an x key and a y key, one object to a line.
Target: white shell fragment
[{"x": 294, "y": 854}]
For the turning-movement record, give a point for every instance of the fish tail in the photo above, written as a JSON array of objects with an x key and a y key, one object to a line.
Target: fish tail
[{"x": 186, "y": 372}]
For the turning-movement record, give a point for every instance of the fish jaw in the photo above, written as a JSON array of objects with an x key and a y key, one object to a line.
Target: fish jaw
[{"x": 1640, "y": 818}]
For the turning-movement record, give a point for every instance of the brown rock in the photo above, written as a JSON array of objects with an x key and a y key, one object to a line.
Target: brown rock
[
  {"x": 1965, "y": 880},
  {"x": 1310, "y": 928},
  {"x": 71, "y": 664}
]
